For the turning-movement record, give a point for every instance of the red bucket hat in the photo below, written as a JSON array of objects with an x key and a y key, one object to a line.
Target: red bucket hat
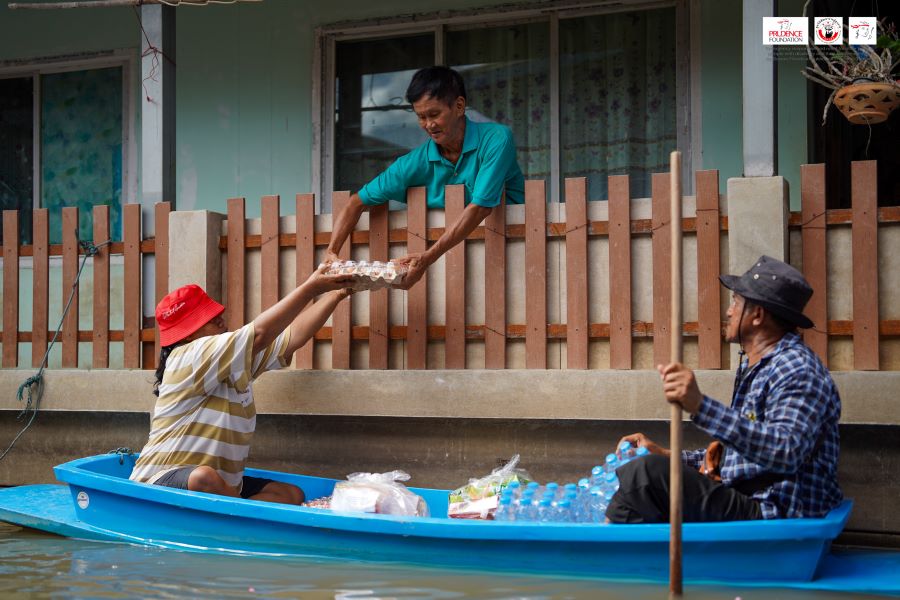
[{"x": 183, "y": 312}]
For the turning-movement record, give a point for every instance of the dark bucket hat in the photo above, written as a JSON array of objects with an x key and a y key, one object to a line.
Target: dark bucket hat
[{"x": 776, "y": 286}]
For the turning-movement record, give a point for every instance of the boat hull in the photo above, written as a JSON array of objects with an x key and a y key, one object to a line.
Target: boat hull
[{"x": 106, "y": 501}]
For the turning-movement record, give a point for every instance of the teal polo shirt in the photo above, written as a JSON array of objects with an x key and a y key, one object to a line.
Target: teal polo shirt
[{"x": 487, "y": 164}]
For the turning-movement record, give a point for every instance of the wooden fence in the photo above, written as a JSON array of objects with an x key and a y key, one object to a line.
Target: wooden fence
[
  {"x": 496, "y": 332},
  {"x": 138, "y": 338}
]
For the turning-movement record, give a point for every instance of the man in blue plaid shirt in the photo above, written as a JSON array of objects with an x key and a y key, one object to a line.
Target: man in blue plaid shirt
[{"x": 780, "y": 434}]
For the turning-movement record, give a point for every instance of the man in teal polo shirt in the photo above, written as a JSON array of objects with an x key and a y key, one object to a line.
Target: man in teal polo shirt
[{"x": 480, "y": 156}]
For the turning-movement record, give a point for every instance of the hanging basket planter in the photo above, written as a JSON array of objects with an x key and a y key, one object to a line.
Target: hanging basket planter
[{"x": 867, "y": 103}]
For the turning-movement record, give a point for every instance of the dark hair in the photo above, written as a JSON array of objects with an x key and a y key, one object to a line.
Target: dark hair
[
  {"x": 163, "y": 356},
  {"x": 439, "y": 82}
]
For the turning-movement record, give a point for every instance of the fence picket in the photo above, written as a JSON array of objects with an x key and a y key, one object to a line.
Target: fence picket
[
  {"x": 495, "y": 288},
  {"x": 10, "y": 289},
  {"x": 41, "y": 284},
  {"x": 455, "y": 287},
  {"x": 270, "y": 267},
  {"x": 662, "y": 277},
  {"x": 576, "y": 269},
  {"x": 864, "y": 200},
  {"x": 235, "y": 301},
  {"x": 341, "y": 324},
  {"x": 709, "y": 310},
  {"x": 378, "y": 299},
  {"x": 100, "y": 351},
  {"x": 619, "y": 272},
  {"x": 132, "y": 318},
  {"x": 70, "y": 270},
  {"x": 535, "y": 275},
  {"x": 161, "y": 253},
  {"x": 417, "y": 297},
  {"x": 815, "y": 266},
  {"x": 306, "y": 263}
]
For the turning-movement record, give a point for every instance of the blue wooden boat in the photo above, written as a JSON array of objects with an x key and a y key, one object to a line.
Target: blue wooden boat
[{"x": 100, "y": 503}]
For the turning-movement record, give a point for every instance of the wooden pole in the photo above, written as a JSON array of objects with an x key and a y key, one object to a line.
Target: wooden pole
[{"x": 675, "y": 467}]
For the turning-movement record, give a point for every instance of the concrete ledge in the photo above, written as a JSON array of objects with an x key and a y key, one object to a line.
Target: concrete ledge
[{"x": 868, "y": 397}]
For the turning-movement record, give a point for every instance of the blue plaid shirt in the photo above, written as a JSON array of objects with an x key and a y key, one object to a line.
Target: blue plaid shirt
[{"x": 783, "y": 421}]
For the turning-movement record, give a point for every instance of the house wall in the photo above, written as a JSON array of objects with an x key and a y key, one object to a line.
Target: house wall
[{"x": 244, "y": 98}]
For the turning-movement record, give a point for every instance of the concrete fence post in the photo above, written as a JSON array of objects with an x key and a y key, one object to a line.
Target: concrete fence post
[
  {"x": 758, "y": 211},
  {"x": 194, "y": 255}
]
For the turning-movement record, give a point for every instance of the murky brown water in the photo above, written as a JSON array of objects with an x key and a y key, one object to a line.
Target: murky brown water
[{"x": 37, "y": 565}]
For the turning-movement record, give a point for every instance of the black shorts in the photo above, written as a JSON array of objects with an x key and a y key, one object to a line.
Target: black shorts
[{"x": 178, "y": 479}]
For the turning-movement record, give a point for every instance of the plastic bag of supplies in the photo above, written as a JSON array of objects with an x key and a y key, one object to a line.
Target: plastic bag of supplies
[
  {"x": 478, "y": 499},
  {"x": 380, "y": 493}
]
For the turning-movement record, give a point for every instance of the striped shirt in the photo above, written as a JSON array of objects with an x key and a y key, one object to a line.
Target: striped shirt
[
  {"x": 205, "y": 413},
  {"x": 782, "y": 424}
]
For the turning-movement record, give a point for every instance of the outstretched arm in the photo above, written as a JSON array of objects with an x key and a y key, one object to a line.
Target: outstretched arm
[
  {"x": 471, "y": 216},
  {"x": 275, "y": 319},
  {"x": 312, "y": 318},
  {"x": 343, "y": 226}
]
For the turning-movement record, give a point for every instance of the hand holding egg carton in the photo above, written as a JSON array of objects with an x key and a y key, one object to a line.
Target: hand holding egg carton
[{"x": 369, "y": 275}]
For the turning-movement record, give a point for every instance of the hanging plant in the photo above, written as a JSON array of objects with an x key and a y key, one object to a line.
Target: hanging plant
[{"x": 863, "y": 79}]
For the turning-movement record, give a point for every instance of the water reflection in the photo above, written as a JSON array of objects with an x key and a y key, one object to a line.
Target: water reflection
[{"x": 43, "y": 566}]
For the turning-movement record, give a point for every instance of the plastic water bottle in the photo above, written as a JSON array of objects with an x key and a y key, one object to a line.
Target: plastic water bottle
[
  {"x": 553, "y": 487},
  {"x": 584, "y": 483},
  {"x": 597, "y": 505},
  {"x": 564, "y": 511},
  {"x": 641, "y": 452},
  {"x": 607, "y": 497},
  {"x": 545, "y": 510},
  {"x": 515, "y": 489},
  {"x": 596, "y": 475},
  {"x": 626, "y": 453},
  {"x": 611, "y": 482},
  {"x": 505, "y": 510},
  {"x": 612, "y": 463},
  {"x": 527, "y": 507}
]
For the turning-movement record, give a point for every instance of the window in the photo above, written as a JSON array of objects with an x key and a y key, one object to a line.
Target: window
[
  {"x": 617, "y": 98},
  {"x": 61, "y": 144},
  {"x": 372, "y": 120},
  {"x": 507, "y": 75},
  {"x": 586, "y": 94}
]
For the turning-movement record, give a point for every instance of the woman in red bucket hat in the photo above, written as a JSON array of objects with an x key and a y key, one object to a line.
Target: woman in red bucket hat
[{"x": 205, "y": 416}]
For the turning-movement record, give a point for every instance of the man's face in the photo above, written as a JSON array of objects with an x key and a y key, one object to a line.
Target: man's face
[
  {"x": 214, "y": 326},
  {"x": 442, "y": 122},
  {"x": 734, "y": 322}
]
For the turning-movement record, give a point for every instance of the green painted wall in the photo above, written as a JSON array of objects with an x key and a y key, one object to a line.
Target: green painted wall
[
  {"x": 245, "y": 100},
  {"x": 244, "y": 97},
  {"x": 48, "y": 33},
  {"x": 792, "y": 109},
  {"x": 720, "y": 94},
  {"x": 721, "y": 54}
]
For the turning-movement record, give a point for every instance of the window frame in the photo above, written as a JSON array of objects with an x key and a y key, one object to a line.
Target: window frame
[
  {"x": 35, "y": 68},
  {"x": 687, "y": 72}
]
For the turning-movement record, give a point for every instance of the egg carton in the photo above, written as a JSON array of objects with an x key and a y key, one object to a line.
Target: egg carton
[{"x": 369, "y": 275}]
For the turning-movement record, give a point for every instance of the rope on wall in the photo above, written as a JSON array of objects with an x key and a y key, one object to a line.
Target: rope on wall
[{"x": 33, "y": 388}]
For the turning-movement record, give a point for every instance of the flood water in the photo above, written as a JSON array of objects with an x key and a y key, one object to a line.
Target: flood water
[{"x": 38, "y": 565}]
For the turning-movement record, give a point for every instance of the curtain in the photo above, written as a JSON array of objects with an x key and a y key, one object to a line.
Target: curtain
[
  {"x": 506, "y": 70},
  {"x": 617, "y": 97},
  {"x": 81, "y": 147}
]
